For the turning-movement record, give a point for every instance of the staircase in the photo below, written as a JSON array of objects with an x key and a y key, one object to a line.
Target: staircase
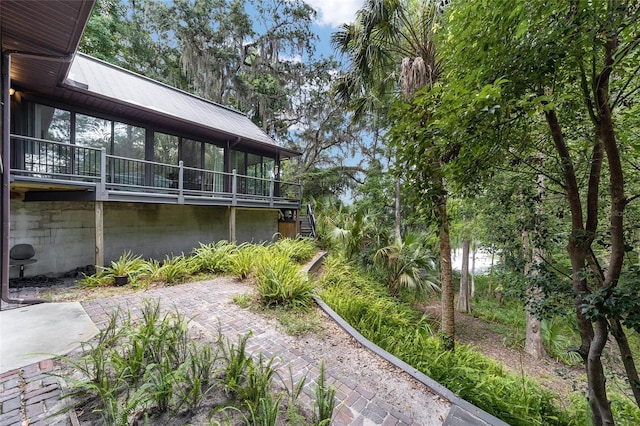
[{"x": 308, "y": 224}]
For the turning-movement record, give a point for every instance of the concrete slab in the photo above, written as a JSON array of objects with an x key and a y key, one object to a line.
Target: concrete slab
[{"x": 33, "y": 333}]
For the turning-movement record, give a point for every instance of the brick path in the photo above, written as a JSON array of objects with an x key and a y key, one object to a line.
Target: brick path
[{"x": 28, "y": 394}]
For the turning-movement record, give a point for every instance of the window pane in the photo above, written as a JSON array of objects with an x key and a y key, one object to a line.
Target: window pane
[
  {"x": 128, "y": 141},
  {"x": 268, "y": 167},
  {"x": 192, "y": 153},
  {"x": 237, "y": 162},
  {"x": 192, "y": 158},
  {"x": 165, "y": 151},
  {"x": 214, "y": 160},
  {"x": 213, "y": 157},
  {"x": 165, "y": 148},
  {"x": 52, "y": 124},
  {"x": 254, "y": 165},
  {"x": 93, "y": 132}
]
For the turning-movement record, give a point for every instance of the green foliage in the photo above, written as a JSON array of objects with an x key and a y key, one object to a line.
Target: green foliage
[
  {"x": 176, "y": 269},
  {"x": 299, "y": 250},
  {"x": 243, "y": 259},
  {"x": 196, "y": 375},
  {"x": 147, "y": 366},
  {"x": 258, "y": 380},
  {"x": 509, "y": 312},
  {"x": 325, "y": 399},
  {"x": 236, "y": 361},
  {"x": 214, "y": 257},
  {"x": 298, "y": 322},
  {"x": 266, "y": 412},
  {"x": 99, "y": 279},
  {"x": 397, "y": 329},
  {"x": 406, "y": 264},
  {"x": 554, "y": 338},
  {"x": 354, "y": 232},
  {"x": 281, "y": 283},
  {"x": 126, "y": 265},
  {"x": 619, "y": 303}
]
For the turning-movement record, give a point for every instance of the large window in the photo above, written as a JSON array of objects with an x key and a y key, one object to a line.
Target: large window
[
  {"x": 165, "y": 151},
  {"x": 56, "y": 160},
  {"x": 256, "y": 170},
  {"x": 94, "y": 132},
  {"x": 214, "y": 160},
  {"x": 52, "y": 124},
  {"x": 91, "y": 132},
  {"x": 67, "y": 144},
  {"x": 192, "y": 159},
  {"x": 128, "y": 141}
]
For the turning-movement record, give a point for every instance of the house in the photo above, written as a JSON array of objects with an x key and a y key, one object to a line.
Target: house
[{"x": 98, "y": 160}]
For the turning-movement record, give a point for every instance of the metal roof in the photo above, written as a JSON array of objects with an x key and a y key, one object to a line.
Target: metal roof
[{"x": 122, "y": 91}]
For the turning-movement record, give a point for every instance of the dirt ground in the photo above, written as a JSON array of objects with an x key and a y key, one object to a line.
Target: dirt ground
[{"x": 555, "y": 376}]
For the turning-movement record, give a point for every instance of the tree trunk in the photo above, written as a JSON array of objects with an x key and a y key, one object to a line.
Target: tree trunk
[
  {"x": 464, "y": 304},
  {"x": 534, "y": 258},
  {"x": 446, "y": 276},
  {"x": 592, "y": 338},
  {"x": 398, "y": 215},
  {"x": 627, "y": 358},
  {"x": 493, "y": 258},
  {"x": 616, "y": 216},
  {"x": 473, "y": 270},
  {"x": 533, "y": 336}
]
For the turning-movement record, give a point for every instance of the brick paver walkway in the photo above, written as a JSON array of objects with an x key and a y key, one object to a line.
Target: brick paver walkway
[{"x": 28, "y": 393}]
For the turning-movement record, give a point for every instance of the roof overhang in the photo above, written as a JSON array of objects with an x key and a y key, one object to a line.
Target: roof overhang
[{"x": 42, "y": 37}]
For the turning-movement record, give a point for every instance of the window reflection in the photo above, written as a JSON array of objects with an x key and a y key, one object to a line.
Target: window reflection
[{"x": 165, "y": 151}]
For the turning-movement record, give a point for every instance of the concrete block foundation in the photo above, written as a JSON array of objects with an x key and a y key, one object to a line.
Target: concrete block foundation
[{"x": 63, "y": 233}]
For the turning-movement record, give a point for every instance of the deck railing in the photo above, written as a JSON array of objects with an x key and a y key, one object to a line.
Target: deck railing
[{"x": 45, "y": 160}]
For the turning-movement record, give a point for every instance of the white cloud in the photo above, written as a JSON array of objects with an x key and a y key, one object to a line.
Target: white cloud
[{"x": 335, "y": 12}]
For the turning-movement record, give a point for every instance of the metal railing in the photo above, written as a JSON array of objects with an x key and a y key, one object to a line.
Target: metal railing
[{"x": 39, "y": 159}]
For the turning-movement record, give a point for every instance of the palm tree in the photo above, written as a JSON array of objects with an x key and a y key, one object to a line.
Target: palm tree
[
  {"x": 407, "y": 265},
  {"x": 392, "y": 54}
]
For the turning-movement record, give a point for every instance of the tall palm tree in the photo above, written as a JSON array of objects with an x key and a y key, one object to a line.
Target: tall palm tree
[{"x": 392, "y": 54}]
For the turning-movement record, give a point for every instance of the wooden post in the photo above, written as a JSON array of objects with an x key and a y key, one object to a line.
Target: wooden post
[
  {"x": 99, "y": 216},
  {"x": 232, "y": 224}
]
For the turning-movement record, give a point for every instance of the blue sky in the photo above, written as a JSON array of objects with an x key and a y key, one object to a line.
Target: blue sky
[{"x": 332, "y": 14}]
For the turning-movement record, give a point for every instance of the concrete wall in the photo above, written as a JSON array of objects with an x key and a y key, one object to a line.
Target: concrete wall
[{"x": 63, "y": 233}]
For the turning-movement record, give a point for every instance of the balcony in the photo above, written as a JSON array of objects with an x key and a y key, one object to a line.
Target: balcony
[{"x": 51, "y": 170}]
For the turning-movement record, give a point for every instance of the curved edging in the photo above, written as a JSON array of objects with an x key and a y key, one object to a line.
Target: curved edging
[{"x": 465, "y": 413}]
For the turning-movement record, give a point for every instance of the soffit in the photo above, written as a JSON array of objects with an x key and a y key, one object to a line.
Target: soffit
[{"x": 45, "y": 35}]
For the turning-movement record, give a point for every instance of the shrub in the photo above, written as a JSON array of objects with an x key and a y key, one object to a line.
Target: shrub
[
  {"x": 280, "y": 282},
  {"x": 244, "y": 259},
  {"x": 176, "y": 269},
  {"x": 126, "y": 265},
  {"x": 299, "y": 249},
  {"x": 407, "y": 264},
  {"x": 214, "y": 257}
]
